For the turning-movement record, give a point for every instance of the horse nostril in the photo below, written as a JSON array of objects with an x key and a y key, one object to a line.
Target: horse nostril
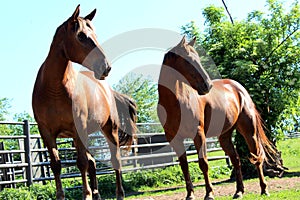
[
  {"x": 204, "y": 88},
  {"x": 107, "y": 70},
  {"x": 209, "y": 86}
]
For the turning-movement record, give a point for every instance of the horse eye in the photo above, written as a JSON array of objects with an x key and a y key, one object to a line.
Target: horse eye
[
  {"x": 82, "y": 37},
  {"x": 88, "y": 25}
]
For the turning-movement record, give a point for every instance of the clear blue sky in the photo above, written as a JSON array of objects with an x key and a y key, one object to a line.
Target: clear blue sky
[{"x": 27, "y": 29}]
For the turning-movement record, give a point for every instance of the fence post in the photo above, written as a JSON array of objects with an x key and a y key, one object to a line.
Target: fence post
[
  {"x": 26, "y": 130},
  {"x": 228, "y": 161}
]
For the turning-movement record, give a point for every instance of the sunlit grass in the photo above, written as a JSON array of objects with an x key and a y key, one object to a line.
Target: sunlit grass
[
  {"x": 292, "y": 194},
  {"x": 290, "y": 153},
  {"x": 291, "y": 158}
]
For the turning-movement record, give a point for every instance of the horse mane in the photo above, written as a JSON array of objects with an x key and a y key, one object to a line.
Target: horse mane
[{"x": 186, "y": 51}]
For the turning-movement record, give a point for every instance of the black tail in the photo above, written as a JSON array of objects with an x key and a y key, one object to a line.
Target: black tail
[{"x": 127, "y": 118}]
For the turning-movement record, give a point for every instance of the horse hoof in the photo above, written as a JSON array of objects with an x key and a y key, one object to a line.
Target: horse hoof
[
  {"x": 96, "y": 197},
  {"x": 238, "y": 195},
  {"x": 192, "y": 197},
  {"x": 265, "y": 193},
  {"x": 209, "y": 197}
]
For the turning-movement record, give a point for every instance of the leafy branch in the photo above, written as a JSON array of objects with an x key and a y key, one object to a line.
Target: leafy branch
[{"x": 281, "y": 43}]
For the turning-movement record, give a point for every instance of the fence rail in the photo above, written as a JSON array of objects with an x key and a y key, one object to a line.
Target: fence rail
[{"x": 29, "y": 161}]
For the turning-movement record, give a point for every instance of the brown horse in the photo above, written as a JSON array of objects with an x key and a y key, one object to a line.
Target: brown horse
[
  {"x": 71, "y": 104},
  {"x": 193, "y": 106}
]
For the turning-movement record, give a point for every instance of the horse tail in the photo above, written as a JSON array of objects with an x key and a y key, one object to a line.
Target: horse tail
[
  {"x": 267, "y": 150},
  {"x": 127, "y": 111},
  {"x": 273, "y": 165}
]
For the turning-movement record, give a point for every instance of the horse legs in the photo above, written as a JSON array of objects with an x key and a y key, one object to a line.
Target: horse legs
[
  {"x": 83, "y": 165},
  {"x": 200, "y": 144},
  {"x": 93, "y": 178},
  {"x": 113, "y": 143},
  {"x": 228, "y": 147},
  {"x": 55, "y": 164},
  {"x": 246, "y": 126},
  {"x": 178, "y": 146}
]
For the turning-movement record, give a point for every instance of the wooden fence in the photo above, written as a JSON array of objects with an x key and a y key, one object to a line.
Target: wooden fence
[{"x": 29, "y": 162}]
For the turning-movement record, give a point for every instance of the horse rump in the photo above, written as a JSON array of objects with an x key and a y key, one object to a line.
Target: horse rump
[{"x": 127, "y": 112}]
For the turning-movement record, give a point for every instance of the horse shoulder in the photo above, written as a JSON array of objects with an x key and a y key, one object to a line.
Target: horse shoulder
[{"x": 103, "y": 100}]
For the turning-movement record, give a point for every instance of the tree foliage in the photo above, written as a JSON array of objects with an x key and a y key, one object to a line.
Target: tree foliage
[
  {"x": 144, "y": 91},
  {"x": 6, "y": 129},
  {"x": 4, "y": 106},
  {"x": 4, "y": 111}
]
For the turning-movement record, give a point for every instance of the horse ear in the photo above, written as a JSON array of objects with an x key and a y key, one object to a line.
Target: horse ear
[
  {"x": 91, "y": 15},
  {"x": 182, "y": 42},
  {"x": 193, "y": 41},
  {"x": 76, "y": 13}
]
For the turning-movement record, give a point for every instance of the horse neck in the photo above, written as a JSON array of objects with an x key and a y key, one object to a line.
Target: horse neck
[
  {"x": 173, "y": 80},
  {"x": 56, "y": 63}
]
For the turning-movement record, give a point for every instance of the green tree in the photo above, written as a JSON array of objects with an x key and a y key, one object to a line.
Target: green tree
[
  {"x": 262, "y": 53},
  {"x": 4, "y": 106},
  {"x": 4, "y": 111},
  {"x": 144, "y": 92},
  {"x": 13, "y": 129},
  {"x": 20, "y": 117},
  {"x": 289, "y": 120}
]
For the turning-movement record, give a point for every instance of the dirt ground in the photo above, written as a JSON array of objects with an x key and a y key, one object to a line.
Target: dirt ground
[{"x": 224, "y": 188}]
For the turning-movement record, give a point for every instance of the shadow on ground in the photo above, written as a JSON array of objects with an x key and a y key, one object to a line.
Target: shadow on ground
[
  {"x": 291, "y": 174},
  {"x": 155, "y": 191}
]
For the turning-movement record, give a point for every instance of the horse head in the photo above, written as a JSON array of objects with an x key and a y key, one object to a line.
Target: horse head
[
  {"x": 185, "y": 60},
  {"x": 80, "y": 44}
]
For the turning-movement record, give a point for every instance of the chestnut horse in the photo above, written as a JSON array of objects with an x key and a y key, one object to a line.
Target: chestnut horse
[
  {"x": 71, "y": 104},
  {"x": 193, "y": 106}
]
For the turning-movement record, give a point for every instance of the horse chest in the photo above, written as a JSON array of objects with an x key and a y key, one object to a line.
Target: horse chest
[
  {"x": 49, "y": 106},
  {"x": 179, "y": 116}
]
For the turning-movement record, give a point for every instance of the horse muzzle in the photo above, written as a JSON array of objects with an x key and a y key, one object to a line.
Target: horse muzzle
[
  {"x": 204, "y": 88},
  {"x": 105, "y": 73}
]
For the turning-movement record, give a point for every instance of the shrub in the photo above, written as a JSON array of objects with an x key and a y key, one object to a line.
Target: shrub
[
  {"x": 42, "y": 192},
  {"x": 15, "y": 194},
  {"x": 132, "y": 181}
]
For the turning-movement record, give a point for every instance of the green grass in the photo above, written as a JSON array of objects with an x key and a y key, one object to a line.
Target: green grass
[
  {"x": 292, "y": 194},
  {"x": 290, "y": 153},
  {"x": 213, "y": 163},
  {"x": 291, "y": 159}
]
